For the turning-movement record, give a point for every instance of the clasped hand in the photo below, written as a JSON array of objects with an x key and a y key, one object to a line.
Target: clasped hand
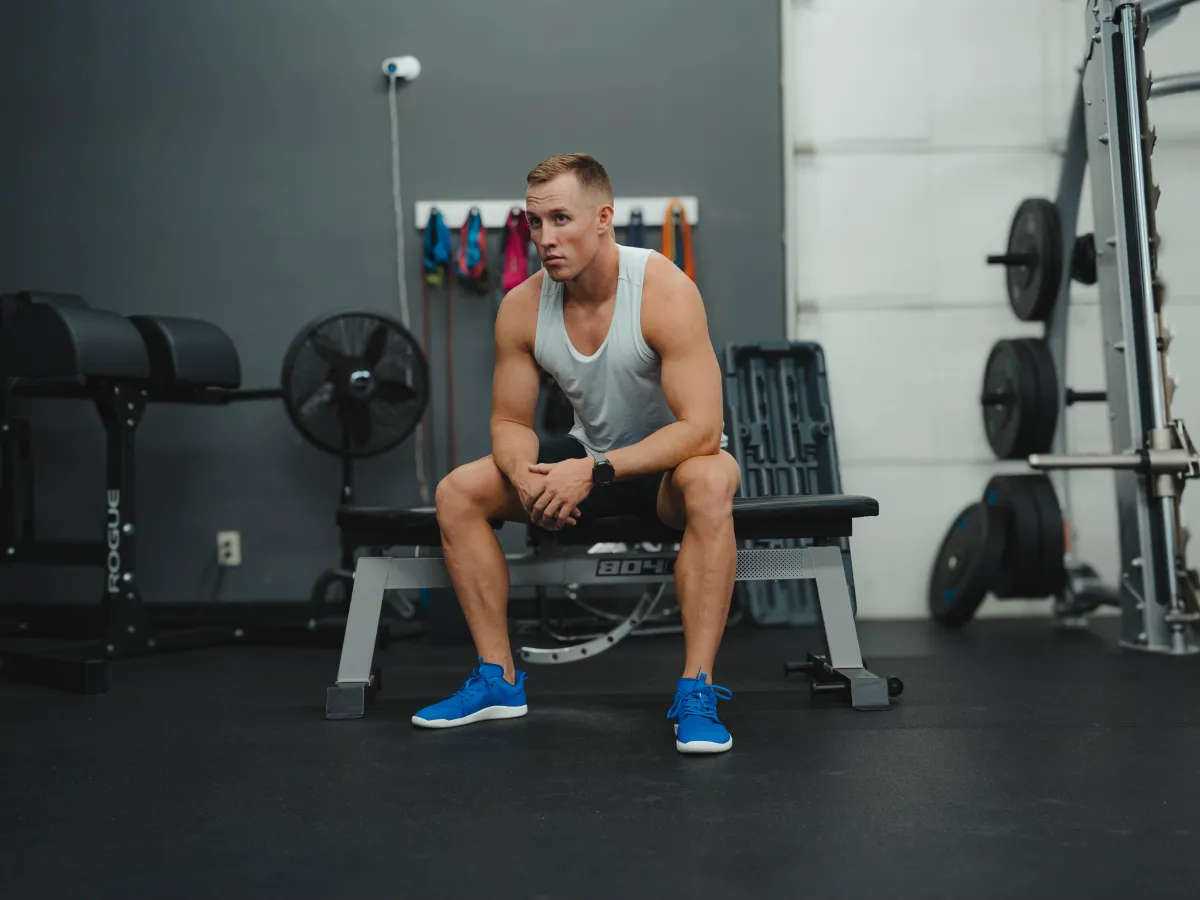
[{"x": 553, "y": 491}]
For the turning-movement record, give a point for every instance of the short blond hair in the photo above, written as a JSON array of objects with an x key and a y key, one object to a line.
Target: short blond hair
[{"x": 587, "y": 169}]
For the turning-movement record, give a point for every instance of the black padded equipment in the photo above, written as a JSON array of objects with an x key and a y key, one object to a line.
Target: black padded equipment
[
  {"x": 188, "y": 353},
  {"x": 754, "y": 518},
  {"x": 53, "y": 341},
  {"x": 11, "y": 302}
]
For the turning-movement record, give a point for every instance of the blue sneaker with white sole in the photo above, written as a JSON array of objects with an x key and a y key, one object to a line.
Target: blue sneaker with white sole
[
  {"x": 485, "y": 695},
  {"x": 697, "y": 728}
]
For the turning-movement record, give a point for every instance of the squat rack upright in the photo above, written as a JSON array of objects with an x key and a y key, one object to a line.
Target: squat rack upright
[{"x": 1153, "y": 454}]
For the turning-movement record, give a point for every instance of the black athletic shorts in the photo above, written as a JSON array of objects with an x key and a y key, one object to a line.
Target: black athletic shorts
[{"x": 629, "y": 497}]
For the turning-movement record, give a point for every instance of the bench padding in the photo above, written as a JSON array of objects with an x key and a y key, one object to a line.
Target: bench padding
[{"x": 754, "y": 518}]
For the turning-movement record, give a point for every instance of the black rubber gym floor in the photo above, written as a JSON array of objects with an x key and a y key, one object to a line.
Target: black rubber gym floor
[{"x": 1019, "y": 763}]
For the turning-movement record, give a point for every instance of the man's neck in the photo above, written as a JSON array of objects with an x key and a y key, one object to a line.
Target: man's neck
[{"x": 598, "y": 281}]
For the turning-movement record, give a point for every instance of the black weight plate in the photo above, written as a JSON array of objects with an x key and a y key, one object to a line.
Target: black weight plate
[
  {"x": 1044, "y": 421},
  {"x": 1052, "y": 574},
  {"x": 1010, "y": 398},
  {"x": 1001, "y": 406},
  {"x": 1032, "y": 289},
  {"x": 1032, "y": 537},
  {"x": 966, "y": 564},
  {"x": 1083, "y": 259},
  {"x": 1031, "y": 389},
  {"x": 1021, "y": 539}
]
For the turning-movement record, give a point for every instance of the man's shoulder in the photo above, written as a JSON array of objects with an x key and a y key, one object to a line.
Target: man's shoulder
[
  {"x": 666, "y": 290},
  {"x": 670, "y": 300},
  {"x": 664, "y": 278},
  {"x": 527, "y": 292},
  {"x": 517, "y": 315}
]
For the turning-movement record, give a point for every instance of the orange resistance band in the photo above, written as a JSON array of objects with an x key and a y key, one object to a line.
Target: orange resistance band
[{"x": 668, "y": 238}]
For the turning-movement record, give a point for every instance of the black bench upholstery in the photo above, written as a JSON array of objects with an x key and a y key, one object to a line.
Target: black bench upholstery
[{"x": 754, "y": 518}]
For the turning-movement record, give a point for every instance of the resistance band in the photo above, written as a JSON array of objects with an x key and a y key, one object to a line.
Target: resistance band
[
  {"x": 437, "y": 244},
  {"x": 516, "y": 250},
  {"x": 677, "y": 238},
  {"x": 472, "y": 252},
  {"x": 438, "y": 252},
  {"x": 635, "y": 235}
]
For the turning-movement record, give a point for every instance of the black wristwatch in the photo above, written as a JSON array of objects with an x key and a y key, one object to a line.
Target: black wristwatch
[{"x": 603, "y": 473}]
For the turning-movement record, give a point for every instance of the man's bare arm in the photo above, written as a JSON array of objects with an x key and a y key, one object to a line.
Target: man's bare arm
[
  {"x": 675, "y": 326},
  {"x": 515, "y": 384}
]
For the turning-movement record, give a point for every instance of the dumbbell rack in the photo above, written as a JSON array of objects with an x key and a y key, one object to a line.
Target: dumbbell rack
[{"x": 1109, "y": 131}]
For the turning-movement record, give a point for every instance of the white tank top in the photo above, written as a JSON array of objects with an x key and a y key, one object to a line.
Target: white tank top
[{"x": 616, "y": 392}]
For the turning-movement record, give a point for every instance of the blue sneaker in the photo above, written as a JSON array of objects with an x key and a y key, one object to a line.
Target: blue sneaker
[
  {"x": 485, "y": 695},
  {"x": 697, "y": 728}
]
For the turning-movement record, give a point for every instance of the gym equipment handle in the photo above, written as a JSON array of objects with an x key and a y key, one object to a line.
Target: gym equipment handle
[
  {"x": 1168, "y": 85},
  {"x": 1014, "y": 259},
  {"x": 1085, "y": 461},
  {"x": 1162, "y": 8},
  {"x": 999, "y": 398},
  {"x": 1156, "y": 461}
]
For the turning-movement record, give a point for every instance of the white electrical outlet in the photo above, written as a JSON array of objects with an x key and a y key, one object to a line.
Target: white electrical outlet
[
  {"x": 229, "y": 548},
  {"x": 405, "y": 68}
]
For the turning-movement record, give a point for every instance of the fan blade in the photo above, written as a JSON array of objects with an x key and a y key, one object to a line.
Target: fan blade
[
  {"x": 356, "y": 419},
  {"x": 376, "y": 345},
  {"x": 320, "y": 397},
  {"x": 327, "y": 351},
  {"x": 394, "y": 391}
]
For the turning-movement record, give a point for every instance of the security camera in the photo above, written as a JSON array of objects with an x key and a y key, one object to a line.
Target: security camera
[{"x": 405, "y": 68}]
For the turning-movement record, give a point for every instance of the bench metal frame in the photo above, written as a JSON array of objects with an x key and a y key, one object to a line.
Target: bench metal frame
[{"x": 358, "y": 678}]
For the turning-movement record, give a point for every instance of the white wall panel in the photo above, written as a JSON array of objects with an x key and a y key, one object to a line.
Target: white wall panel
[
  {"x": 1176, "y": 170},
  {"x": 986, "y": 82},
  {"x": 861, "y": 73},
  {"x": 1065, "y": 45},
  {"x": 865, "y": 227}
]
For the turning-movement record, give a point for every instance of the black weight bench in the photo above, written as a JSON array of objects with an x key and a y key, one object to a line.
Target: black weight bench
[{"x": 555, "y": 559}]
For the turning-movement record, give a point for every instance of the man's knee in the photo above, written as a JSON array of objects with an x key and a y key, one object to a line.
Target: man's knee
[
  {"x": 707, "y": 484},
  {"x": 468, "y": 491}
]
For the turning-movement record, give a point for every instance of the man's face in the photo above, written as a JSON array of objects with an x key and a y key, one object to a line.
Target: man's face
[{"x": 566, "y": 224}]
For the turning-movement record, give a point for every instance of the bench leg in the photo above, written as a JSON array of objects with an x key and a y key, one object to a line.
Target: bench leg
[
  {"x": 347, "y": 699},
  {"x": 843, "y": 670}
]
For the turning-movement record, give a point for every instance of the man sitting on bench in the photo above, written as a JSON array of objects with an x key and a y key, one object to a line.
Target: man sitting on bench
[{"x": 624, "y": 333}]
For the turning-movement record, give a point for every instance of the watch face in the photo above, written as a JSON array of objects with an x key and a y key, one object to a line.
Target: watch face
[{"x": 603, "y": 473}]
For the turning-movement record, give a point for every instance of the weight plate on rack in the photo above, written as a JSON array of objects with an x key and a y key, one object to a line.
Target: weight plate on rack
[
  {"x": 967, "y": 562},
  {"x": 1053, "y": 573},
  {"x": 1010, "y": 401},
  {"x": 1083, "y": 259},
  {"x": 1034, "y": 541},
  {"x": 1034, "y": 259},
  {"x": 1037, "y": 352}
]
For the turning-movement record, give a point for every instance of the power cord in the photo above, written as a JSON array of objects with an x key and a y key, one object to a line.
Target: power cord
[{"x": 401, "y": 273}]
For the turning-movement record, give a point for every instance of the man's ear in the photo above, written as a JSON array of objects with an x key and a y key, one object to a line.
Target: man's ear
[{"x": 606, "y": 218}]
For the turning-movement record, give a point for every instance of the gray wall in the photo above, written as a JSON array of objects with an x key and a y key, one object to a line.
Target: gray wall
[{"x": 231, "y": 161}]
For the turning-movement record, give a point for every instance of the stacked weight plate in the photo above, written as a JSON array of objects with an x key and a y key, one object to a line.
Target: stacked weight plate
[
  {"x": 1020, "y": 385},
  {"x": 1011, "y": 542},
  {"x": 1020, "y": 398}
]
